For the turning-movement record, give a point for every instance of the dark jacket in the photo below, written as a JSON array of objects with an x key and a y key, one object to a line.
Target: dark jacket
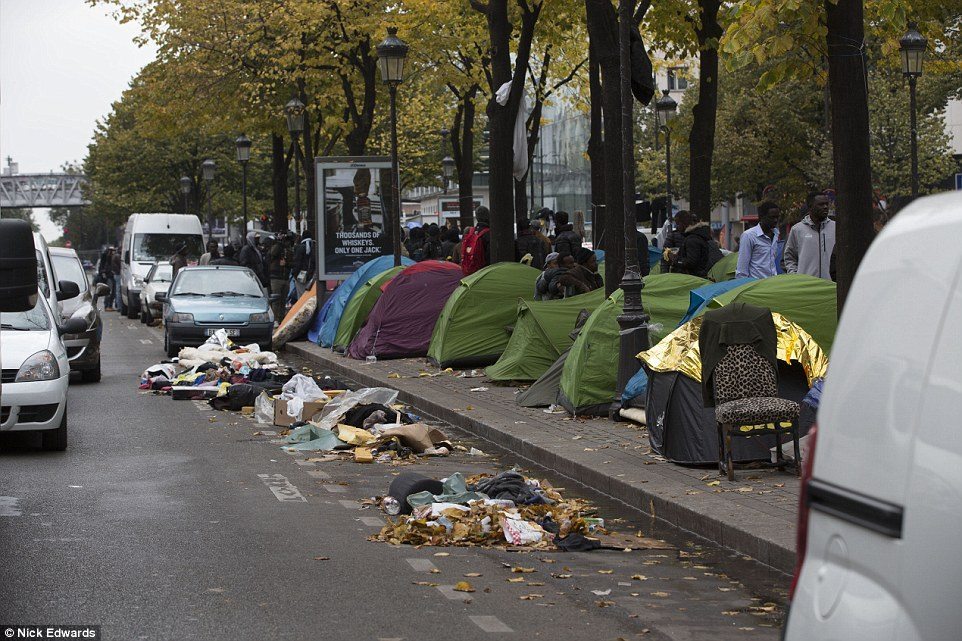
[
  {"x": 578, "y": 280},
  {"x": 224, "y": 260},
  {"x": 547, "y": 287},
  {"x": 432, "y": 249},
  {"x": 177, "y": 262},
  {"x": 115, "y": 264},
  {"x": 674, "y": 238},
  {"x": 250, "y": 258},
  {"x": 304, "y": 261},
  {"x": 733, "y": 324},
  {"x": 528, "y": 243},
  {"x": 641, "y": 242},
  {"x": 693, "y": 255},
  {"x": 566, "y": 241},
  {"x": 275, "y": 256},
  {"x": 447, "y": 249}
]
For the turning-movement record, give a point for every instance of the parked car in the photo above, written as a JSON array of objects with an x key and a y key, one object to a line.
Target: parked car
[
  {"x": 157, "y": 280},
  {"x": 83, "y": 349},
  {"x": 202, "y": 300},
  {"x": 882, "y": 494},
  {"x": 48, "y": 284},
  {"x": 149, "y": 238},
  {"x": 34, "y": 372}
]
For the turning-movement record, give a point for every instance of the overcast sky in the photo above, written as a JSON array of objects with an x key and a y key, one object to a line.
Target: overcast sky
[{"x": 62, "y": 64}]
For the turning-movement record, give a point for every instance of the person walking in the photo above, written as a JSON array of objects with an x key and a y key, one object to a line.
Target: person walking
[
  {"x": 758, "y": 245},
  {"x": 476, "y": 245},
  {"x": 115, "y": 270},
  {"x": 210, "y": 254},
  {"x": 811, "y": 242},
  {"x": 303, "y": 267}
]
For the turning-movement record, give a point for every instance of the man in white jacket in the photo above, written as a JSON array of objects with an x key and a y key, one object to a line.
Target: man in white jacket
[{"x": 810, "y": 242}]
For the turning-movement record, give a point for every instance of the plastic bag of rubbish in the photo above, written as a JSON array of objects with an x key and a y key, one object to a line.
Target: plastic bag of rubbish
[
  {"x": 517, "y": 531},
  {"x": 304, "y": 388},
  {"x": 264, "y": 409}
]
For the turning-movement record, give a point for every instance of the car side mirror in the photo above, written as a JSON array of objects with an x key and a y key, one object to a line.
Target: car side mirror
[
  {"x": 67, "y": 289},
  {"x": 73, "y": 326},
  {"x": 160, "y": 297},
  {"x": 100, "y": 289},
  {"x": 274, "y": 297}
]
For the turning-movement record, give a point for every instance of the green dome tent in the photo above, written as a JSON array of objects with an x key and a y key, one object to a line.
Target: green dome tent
[
  {"x": 471, "y": 330},
  {"x": 359, "y": 306},
  {"x": 807, "y": 301},
  {"x": 541, "y": 334},
  {"x": 590, "y": 372},
  {"x": 724, "y": 269}
]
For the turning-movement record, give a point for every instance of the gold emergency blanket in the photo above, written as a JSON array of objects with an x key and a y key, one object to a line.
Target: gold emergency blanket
[{"x": 679, "y": 350}]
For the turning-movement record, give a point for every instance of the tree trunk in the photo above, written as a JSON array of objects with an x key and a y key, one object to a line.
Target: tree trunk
[
  {"x": 603, "y": 31},
  {"x": 701, "y": 142},
  {"x": 279, "y": 184},
  {"x": 850, "y": 138},
  {"x": 595, "y": 152},
  {"x": 465, "y": 159},
  {"x": 307, "y": 167}
]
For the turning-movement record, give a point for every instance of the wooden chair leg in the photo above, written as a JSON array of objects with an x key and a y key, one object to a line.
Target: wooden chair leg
[
  {"x": 721, "y": 448},
  {"x": 798, "y": 450},
  {"x": 728, "y": 456},
  {"x": 779, "y": 457}
]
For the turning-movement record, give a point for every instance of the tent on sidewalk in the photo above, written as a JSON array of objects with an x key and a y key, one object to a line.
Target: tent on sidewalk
[
  {"x": 472, "y": 328},
  {"x": 590, "y": 371},
  {"x": 681, "y": 428},
  {"x": 724, "y": 269},
  {"x": 544, "y": 391},
  {"x": 402, "y": 319},
  {"x": 806, "y": 300},
  {"x": 325, "y": 323},
  {"x": 359, "y": 306},
  {"x": 542, "y": 332}
]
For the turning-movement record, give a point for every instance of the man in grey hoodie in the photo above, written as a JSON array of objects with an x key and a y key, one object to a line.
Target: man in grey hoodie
[{"x": 810, "y": 242}]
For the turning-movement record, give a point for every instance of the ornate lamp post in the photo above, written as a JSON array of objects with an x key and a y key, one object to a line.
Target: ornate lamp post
[
  {"x": 666, "y": 108},
  {"x": 390, "y": 58},
  {"x": 912, "y": 47},
  {"x": 243, "y": 146},
  {"x": 207, "y": 168},
  {"x": 294, "y": 112},
  {"x": 185, "y": 186}
]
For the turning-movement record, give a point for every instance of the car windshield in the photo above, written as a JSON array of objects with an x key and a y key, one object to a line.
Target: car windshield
[
  {"x": 69, "y": 268},
  {"x": 217, "y": 282},
  {"x": 32, "y": 320},
  {"x": 160, "y": 273},
  {"x": 154, "y": 247}
]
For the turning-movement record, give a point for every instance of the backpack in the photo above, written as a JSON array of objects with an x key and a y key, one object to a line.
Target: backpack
[
  {"x": 714, "y": 254},
  {"x": 472, "y": 251}
]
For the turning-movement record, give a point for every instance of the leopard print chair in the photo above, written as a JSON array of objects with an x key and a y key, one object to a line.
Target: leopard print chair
[{"x": 747, "y": 404}]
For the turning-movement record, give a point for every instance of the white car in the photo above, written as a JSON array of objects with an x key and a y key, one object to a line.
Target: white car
[
  {"x": 158, "y": 279},
  {"x": 35, "y": 373},
  {"x": 881, "y": 513}
]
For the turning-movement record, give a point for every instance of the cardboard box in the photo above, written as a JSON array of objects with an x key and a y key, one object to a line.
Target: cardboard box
[{"x": 281, "y": 419}]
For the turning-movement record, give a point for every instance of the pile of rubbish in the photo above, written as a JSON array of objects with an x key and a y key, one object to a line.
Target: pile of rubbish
[
  {"x": 367, "y": 425},
  {"x": 213, "y": 369},
  {"x": 507, "y": 509}
]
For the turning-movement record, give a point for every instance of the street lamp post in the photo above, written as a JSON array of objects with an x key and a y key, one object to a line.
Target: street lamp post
[
  {"x": 185, "y": 185},
  {"x": 665, "y": 107},
  {"x": 447, "y": 162},
  {"x": 390, "y": 57},
  {"x": 294, "y": 112},
  {"x": 912, "y": 47},
  {"x": 243, "y": 145},
  {"x": 207, "y": 168}
]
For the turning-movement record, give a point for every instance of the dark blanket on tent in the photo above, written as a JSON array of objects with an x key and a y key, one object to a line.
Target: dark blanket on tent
[
  {"x": 734, "y": 324},
  {"x": 401, "y": 323}
]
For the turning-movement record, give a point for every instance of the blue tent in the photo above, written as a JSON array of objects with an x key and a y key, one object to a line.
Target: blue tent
[
  {"x": 325, "y": 323},
  {"x": 638, "y": 384}
]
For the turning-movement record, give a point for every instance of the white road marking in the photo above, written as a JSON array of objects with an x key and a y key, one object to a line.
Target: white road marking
[
  {"x": 336, "y": 489},
  {"x": 490, "y": 624},
  {"x": 421, "y": 565},
  {"x": 351, "y": 505},
  {"x": 318, "y": 474},
  {"x": 372, "y": 521},
  {"x": 448, "y": 591},
  {"x": 282, "y": 488},
  {"x": 9, "y": 506},
  {"x": 306, "y": 462},
  {"x": 146, "y": 341}
]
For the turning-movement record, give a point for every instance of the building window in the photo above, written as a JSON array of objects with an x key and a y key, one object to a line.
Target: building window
[{"x": 677, "y": 80}]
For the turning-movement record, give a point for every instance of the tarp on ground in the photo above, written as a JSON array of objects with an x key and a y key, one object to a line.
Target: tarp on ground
[
  {"x": 724, "y": 269},
  {"x": 590, "y": 372},
  {"x": 684, "y": 431},
  {"x": 806, "y": 300},
  {"x": 359, "y": 306},
  {"x": 325, "y": 323},
  {"x": 544, "y": 391},
  {"x": 401, "y": 322},
  {"x": 542, "y": 332},
  {"x": 472, "y": 328}
]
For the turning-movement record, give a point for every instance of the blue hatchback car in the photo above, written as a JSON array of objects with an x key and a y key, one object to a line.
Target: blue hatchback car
[{"x": 202, "y": 300}]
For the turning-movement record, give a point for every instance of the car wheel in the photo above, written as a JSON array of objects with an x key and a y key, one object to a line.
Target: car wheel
[
  {"x": 132, "y": 309},
  {"x": 91, "y": 375},
  {"x": 55, "y": 440},
  {"x": 172, "y": 350}
]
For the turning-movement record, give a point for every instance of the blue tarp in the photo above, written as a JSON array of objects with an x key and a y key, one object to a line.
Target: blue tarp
[
  {"x": 638, "y": 384},
  {"x": 324, "y": 328}
]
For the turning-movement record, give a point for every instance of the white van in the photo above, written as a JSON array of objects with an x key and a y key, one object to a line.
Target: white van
[
  {"x": 881, "y": 512},
  {"x": 151, "y": 238}
]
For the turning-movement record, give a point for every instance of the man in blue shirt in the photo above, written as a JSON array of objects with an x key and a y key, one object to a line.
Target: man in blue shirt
[{"x": 756, "y": 252}]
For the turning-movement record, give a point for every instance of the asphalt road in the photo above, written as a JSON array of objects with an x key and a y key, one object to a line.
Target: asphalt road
[{"x": 158, "y": 522}]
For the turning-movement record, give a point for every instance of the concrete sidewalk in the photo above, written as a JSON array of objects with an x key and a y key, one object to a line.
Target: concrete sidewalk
[{"x": 754, "y": 516}]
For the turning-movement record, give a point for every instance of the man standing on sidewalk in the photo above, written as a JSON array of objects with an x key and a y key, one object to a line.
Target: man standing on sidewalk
[
  {"x": 303, "y": 268},
  {"x": 277, "y": 271},
  {"x": 115, "y": 271},
  {"x": 811, "y": 241},
  {"x": 756, "y": 252}
]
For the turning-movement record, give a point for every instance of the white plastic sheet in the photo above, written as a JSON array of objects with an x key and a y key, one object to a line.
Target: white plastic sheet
[
  {"x": 264, "y": 409},
  {"x": 520, "y": 163}
]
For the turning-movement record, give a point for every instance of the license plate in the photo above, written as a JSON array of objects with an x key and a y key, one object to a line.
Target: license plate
[{"x": 230, "y": 332}]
